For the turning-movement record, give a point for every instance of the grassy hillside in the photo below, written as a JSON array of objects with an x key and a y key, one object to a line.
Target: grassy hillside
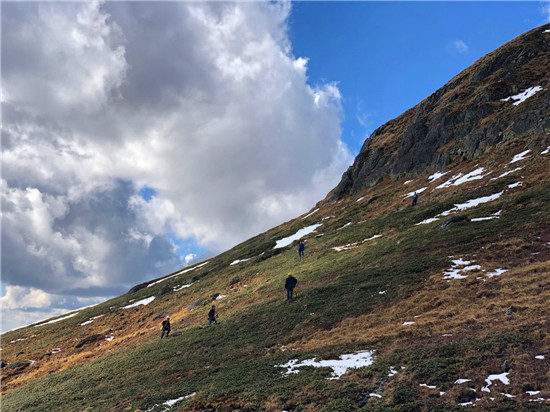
[{"x": 430, "y": 327}]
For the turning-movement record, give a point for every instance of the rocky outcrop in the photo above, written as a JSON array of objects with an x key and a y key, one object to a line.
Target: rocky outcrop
[{"x": 464, "y": 119}]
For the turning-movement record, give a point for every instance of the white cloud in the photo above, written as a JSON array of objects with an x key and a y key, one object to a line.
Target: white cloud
[
  {"x": 203, "y": 102},
  {"x": 459, "y": 46}
]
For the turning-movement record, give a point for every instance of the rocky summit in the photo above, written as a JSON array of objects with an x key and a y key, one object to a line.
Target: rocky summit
[{"x": 433, "y": 302}]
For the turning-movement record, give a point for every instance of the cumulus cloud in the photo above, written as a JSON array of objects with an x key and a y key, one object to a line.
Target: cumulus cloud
[{"x": 203, "y": 103}]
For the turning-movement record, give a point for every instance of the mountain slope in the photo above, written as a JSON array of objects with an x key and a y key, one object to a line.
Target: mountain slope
[{"x": 448, "y": 299}]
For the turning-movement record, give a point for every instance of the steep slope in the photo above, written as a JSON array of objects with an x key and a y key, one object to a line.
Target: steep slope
[
  {"x": 445, "y": 302},
  {"x": 464, "y": 119}
]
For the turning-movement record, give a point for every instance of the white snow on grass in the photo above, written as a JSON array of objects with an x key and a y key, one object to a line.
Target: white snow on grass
[
  {"x": 90, "y": 320},
  {"x": 503, "y": 377},
  {"x": 382, "y": 292},
  {"x": 346, "y": 225},
  {"x": 239, "y": 261},
  {"x": 459, "y": 381},
  {"x": 346, "y": 247},
  {"x": 545, "y": 151},
  {"x": 497, "y": 272},
  {"x": 220, "y": 297},
  {"x": 375, "y": 395},
  {"x": 521, "y": 97},
  {"x": 145, "y": 301},
  {"x": 298, "y": 235},
  {"x": 181, "y": 272},
  {"x": 21, "y": 339},
  {"x": 436, "y": 176},
  {"x": 471, "y": 203},
  {"x": 426, "y": 221},
  {"x": 339, "y": 366},
  {"x": 514, "y": 185},
  {"x": 371, "y": 238},
  {"x": 459, "y": 266},
  {"x": 109, "y": 338},
  {"x": 308, "y": 215},
  {"x": 166, "y": 406},
  {"x": 58, "y": 320},
  {"x": 415, "y": 191},
  {"x": 539, "y": 357},
  {"x": 460, "y": 179},
  {"x": 178, "y": 288},
  {"x": 424, "y": 385},
  {"x": 407, "y": 182},
  {"x": 507, "y": 173},
  {"x": 393, "y": 371},
  {"x": 361, "y": 198},
  {"x": 532, "y": 393},
  {"x": 519, "y": 156},
  {"x": 408, "y": 323},
  {"x": 546, "y": 31},
  {"x": 56, "y": 350},
  {"x": 495, "y": 215}
]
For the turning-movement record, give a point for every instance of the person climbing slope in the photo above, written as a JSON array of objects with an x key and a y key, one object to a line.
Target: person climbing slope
[
  {"x": 212, "y": 316},
  {"x": 165, "y": 327},
  {"x": 301, "y": 248},
  {"x": 415, "y": 199},
  {"x": 290, "y": 284}
]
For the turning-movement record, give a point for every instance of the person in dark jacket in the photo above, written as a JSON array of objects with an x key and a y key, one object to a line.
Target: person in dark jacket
[
  {"x": 212, "y": 316},
  {"x": 165, "y": 327},
  {"x": 290, "y": 284},
  {"x": 415, "y": 199},
  {"x": 301, "y": 248}
]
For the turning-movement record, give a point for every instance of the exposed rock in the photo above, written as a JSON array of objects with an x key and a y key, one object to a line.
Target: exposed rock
[
  {"x": 511, "y": 310},
  {"x": 505, "y": 367},
  {"x": 195, "y": 304},
  {"x": 234, "y": 281},
  {"x": 161, "y": 315},
  {"x": 466, "y": 395},
  {"x": 461, "y": 121},
  {"x": 89, "y": 339},
  {"x": 266, "y": 255},
  {"x": 138, "y": 287},
  {"x": 452, "y": 221},
  {"x": 19, "y": 366},
  {"x": 3, "y": 364}
]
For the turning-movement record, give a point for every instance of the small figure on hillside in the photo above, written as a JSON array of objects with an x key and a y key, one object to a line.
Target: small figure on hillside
[
  {"x": 165, "y": 327},
  {"x": 301, "y": 248},
  {"x": 290, "y": 284},
  {"x": 415, "y": 199},
  {"x": 212, "y": 316}
]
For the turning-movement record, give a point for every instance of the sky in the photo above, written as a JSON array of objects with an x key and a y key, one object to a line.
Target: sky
[{"x": 138, "y": 138}]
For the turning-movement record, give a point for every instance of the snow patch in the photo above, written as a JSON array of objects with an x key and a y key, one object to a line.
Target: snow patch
[
  {"x": 90, "y": 320},
  {"x": 56, "y": 350},
  {"x": 514, "y": 185},
  {"x": 407, "y": 182},
  {"x": 371, "y": 238},
  {"x": 459, "y": 381},
  {"x": 426, "y": 221},
  {"x": 503, "y": 377},
  {"x": 460, "y": 179},
  {"x": 178, "y": 288},
  {"x": 539, "y": 357},
  {"x": 346, "y": 247},
  {"x": 424, "y": 385},
  {"x": 145, "y": 301},
  {"x": 166, "y": 406},
  {"x": 415, "y": 191},
  {"x": 497, "y": 272},
  {"x": 519, "y": 156},
  {"x": 339, "y": 366},
  {"x": 239, "y": 261},
  {"x": 361, "y": 198},
  {"x": 408, "y": 323},
  {"x": 393, "y": 371},
  {"x": 436, "y": 176},
  {"x": 507, "y": 173},
  {"x": 346, "y": 225},
  {"x": 458, "y": 266},
  {"x": 521, "y": 97},
  {"x": 545, "y": 151},
  {"x": 220, "y": 297},
  {"x": 532, "y": 393},
  {"x": 308, "y": 215},
  {"x": 298, "y": 235},
  {"x": 58, "y": 320},
  {"x": 181, "y": 272},
  {"x": 471, "y": 203}
]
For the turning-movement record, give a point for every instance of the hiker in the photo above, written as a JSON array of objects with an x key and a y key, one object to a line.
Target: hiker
[
  {"x": 212, "y": 316},
  {"x": 301, "y": 248},
  {"x": 290, "y": 284},
  {"x": 165, "y": 327},
  {"x": 415, "y": 199}
]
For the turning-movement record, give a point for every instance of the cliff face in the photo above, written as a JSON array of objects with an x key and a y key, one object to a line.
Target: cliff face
[{"x": 464, "y": 119}]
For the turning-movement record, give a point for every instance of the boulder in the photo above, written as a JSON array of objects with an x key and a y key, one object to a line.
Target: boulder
[
  {"x": 452, "y": 221},
  {"x": 19, "y": 365},
  {"x": 138, "y": 287},
  {"x": 195, "y": 304},
  {"x": 89, "y": 339}
]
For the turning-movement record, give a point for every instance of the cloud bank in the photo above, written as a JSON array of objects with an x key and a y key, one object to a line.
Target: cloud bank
[{"x": 203, "y": 105}]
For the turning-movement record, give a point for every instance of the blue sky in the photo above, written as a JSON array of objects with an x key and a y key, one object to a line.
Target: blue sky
[{"x": 388, "y": 56}]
